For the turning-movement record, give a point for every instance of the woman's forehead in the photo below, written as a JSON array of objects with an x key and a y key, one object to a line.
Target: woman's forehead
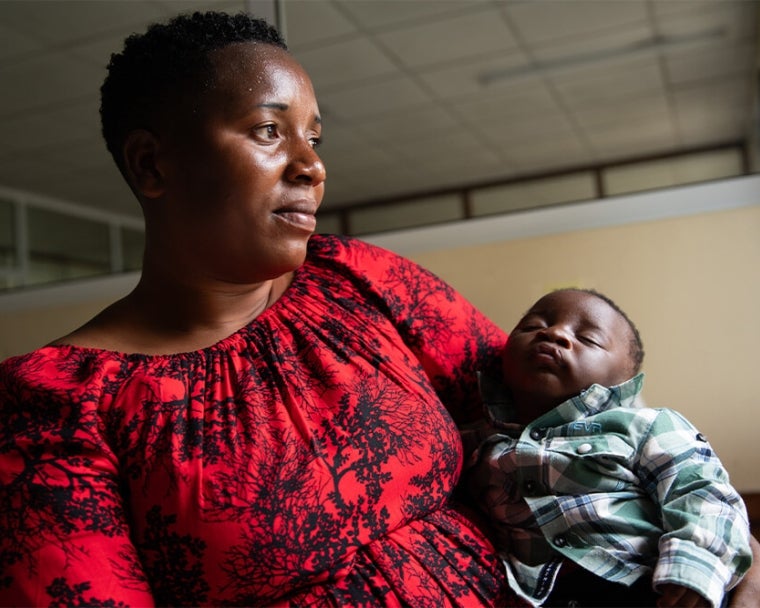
[
  {"x": 255, "y": 74},
  {"x": 254, "y": 60}
]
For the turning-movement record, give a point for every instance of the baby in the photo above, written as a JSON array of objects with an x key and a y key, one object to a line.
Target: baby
[{"x": 576, "y": 477}]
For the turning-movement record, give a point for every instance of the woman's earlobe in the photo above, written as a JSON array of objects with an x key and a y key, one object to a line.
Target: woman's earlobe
[{"x": 141, "y": 149}]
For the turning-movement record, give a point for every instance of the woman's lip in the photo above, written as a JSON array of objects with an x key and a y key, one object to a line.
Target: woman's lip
[{"x": 299, "y": 219}]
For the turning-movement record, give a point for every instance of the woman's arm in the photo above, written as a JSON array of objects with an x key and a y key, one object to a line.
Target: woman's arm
[
  {"x": 747, "y": 592},
  {"x": 65, "y": 534},
  {"x": 450, "y": 338}
]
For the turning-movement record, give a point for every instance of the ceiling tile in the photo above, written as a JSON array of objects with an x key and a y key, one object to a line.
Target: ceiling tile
[
  {"x": 709, "y": 63},
  {"x": 459, "y": 79},
  {"x": 59, "y": 23},
  {"x": 31, "y": 173},
  {"x": 642, "y": 137},
  {"x": 456, "y": 142},
  {"x": 734, "y": 19},
  {"x": 45, "y": 81},
  {"x": 342, "y": 63},
  {"x": 507, "y": 103},
  {"x": 412, "y": 124},
  {"x": 564, "y": 54},
  {"x": 377, "y": 97},
  {"x": 380, "y": 15},
  {"x": 550, "y": 154},
  {"x": 519, "y": 130},
  {"x": 308, "y": 22},
  {"x": 434, "y": 43},
  {"x": 609, "y": 84},
  {"x": 174, "y": 7},
  {"x": 540, "y": 22},
  {"x": 653, "y": 106},
  {"x": 14, "y": 44},
  {"x": 26, "y": 134},
  {"x": 721, "y": 105}
]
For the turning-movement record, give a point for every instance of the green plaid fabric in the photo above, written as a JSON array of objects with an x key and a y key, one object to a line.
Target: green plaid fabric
[{"x": 621, "y": 490}]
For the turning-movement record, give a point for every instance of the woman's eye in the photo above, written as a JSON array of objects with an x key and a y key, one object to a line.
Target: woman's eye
[
  {"x": 266, "y": 132},
  {"x": 315, "y": 142}
]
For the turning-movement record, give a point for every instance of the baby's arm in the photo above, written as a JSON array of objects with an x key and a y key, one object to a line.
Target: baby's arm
[{"x": 705, "y": 544}]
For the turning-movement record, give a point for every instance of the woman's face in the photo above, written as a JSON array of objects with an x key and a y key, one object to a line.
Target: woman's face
[{"x": 242, "y": 179}]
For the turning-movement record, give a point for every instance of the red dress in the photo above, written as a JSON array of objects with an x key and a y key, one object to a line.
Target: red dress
[{"x": 305, "y": 460}]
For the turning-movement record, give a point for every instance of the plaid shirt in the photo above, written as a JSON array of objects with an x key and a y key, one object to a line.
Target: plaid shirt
[{"x": 621, "y": 490}]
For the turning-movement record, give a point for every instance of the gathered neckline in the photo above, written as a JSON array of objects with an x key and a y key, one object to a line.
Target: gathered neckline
[{"x": 222, "y": 345}]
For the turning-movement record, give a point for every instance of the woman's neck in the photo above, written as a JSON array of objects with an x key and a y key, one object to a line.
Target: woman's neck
[{"x": 161, "y": 317}]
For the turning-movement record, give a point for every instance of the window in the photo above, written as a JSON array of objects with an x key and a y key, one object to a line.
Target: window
[{"x": 63, "y": 247}]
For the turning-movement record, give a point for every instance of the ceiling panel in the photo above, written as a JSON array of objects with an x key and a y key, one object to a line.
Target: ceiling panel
[
  {"x": 466, "y": 78},
  {"x": 345, "y": 63},
  {"x": 376, "y": 97},
  {"x": 385, "y": 14},
  {"x": 557, "y": 22},
  {"x": 430, "y": 44}
]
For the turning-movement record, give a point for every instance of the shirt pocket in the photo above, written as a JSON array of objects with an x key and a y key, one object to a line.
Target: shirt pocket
[{"x": 588, "y": 464}]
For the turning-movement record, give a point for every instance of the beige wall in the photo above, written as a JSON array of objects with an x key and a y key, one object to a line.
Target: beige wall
[
  {"x": 32, "y": 318},
  {"x": 25, "y": 330},
  {"x": 692, "y": 286},
  {"x": 690, "y": 283}
]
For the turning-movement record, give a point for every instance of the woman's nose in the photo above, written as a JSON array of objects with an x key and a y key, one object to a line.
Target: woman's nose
[{"x": 305, "y": 165}]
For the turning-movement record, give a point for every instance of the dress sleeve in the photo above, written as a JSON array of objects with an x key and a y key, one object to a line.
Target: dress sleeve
[
  {"x": 451, "y": 338},
  {"x": 65, "y": 540},
  {"x": 706, "y": 542}
]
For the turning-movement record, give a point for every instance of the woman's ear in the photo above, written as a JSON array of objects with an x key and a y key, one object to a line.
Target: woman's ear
[{"x": 141, "y": 149}]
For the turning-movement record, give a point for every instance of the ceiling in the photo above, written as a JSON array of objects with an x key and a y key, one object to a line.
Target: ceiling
[{"x": 416, "y": 95}]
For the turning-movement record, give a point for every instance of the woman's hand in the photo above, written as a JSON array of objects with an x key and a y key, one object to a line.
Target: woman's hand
[
  {"x": 675, "y": 596},
  {"x": 747, "y": 593}
]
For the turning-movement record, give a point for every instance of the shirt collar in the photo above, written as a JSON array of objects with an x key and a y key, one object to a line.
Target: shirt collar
[{"x": 498, "y": 406}]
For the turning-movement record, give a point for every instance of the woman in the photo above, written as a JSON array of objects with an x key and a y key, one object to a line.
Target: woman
[
  {"x": 260, "y": 422},
  {"x": 268, "y": 418}
]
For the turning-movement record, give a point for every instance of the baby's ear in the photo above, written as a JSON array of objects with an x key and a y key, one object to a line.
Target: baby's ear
[{"x": 141, "y": 148}]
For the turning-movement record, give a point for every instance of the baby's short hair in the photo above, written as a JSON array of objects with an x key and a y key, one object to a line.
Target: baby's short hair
[{"x": 636, "y": 346}]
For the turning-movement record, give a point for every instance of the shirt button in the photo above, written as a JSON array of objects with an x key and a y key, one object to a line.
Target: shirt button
[
  {"x": 560, "y": 541},
  {"x": 530, "y": 486},
  {"x": 536, "y": 434},
  {"x": 584, "y": 448}
]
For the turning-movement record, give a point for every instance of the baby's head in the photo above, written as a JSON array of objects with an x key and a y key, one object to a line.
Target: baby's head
[{"x": 567, "y": 341}]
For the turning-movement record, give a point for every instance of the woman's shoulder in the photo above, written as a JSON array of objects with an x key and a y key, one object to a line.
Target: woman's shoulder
[
  {"x": 346, "y": 248},
  {"x": 48, "y": 370},
  {"x": 362, "y": 259}
]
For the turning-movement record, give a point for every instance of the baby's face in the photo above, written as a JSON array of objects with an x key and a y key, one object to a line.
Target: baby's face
[{"x": 566, "y": 342}]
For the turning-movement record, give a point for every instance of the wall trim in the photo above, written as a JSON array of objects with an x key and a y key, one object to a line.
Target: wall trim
[
  {"x": 107, "y": 288},
  {"x": 720, "y": 195}
]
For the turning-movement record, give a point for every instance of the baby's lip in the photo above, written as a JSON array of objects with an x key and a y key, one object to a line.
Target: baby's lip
[{"x": 547, "y": 352}]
